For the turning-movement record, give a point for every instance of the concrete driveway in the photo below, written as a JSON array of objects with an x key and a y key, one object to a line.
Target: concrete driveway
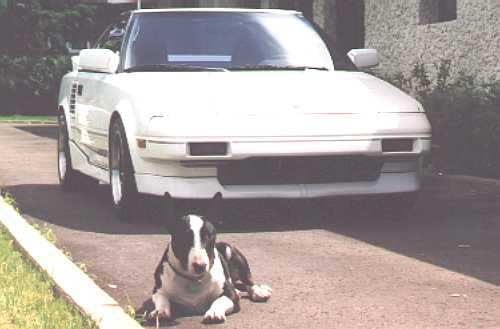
[{"x": 330, "y": 266}]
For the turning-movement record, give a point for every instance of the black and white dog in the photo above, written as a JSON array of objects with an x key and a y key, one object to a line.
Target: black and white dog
[{"x": 200, "y": 276}]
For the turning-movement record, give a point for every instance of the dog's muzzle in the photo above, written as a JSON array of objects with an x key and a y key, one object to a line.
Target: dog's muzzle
[{"x": 199, "y": 268}]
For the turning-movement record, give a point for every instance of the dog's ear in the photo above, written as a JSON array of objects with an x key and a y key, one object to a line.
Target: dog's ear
[
  {"x": 210, "y": 227},
  {"x": 209, "y": 234},
  {"x": 214, "y": 209}
]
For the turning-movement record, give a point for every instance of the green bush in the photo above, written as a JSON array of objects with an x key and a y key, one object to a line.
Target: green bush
[
  {"x": 465, "y": 118},
  {"x": 33, "y": 54},
  {"x": 29, "y": 85},
  {"x": 40, "y": 24}
]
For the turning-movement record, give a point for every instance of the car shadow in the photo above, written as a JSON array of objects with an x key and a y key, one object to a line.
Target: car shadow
[
  {"x": 81, "y": 211},
  {"x": 46, "y": 131},
  {"x": 91, "y": 211},
  {"x": 454, "y": 228}
]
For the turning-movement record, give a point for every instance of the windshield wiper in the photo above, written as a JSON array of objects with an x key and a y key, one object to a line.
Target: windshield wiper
[
  {"x": 172, "y": 68},
  {"x": 269, "y": 67}
]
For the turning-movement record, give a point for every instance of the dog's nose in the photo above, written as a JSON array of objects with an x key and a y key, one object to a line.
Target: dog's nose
[{"x": 199, "y": 267}]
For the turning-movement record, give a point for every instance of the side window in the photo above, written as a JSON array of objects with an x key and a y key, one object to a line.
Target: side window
[
  {"x": 102, "y": 39},
  {"x": 112, "y": 37}
]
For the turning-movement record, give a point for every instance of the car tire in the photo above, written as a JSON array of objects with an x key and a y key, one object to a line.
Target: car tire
[
  {"x": 70, "y": 180},
  {"x": 121, "y": 174}
]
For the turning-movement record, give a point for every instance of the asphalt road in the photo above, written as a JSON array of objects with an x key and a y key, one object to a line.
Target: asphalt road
[{"x": 331, "y": 266}]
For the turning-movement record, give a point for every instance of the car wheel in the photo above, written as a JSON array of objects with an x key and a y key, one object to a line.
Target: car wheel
[
  {"x": 69, "y": 179},
  {"x": 121, "y": 173}
]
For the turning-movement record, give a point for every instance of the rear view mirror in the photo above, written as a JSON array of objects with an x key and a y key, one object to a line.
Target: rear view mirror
[
  {"x": 98, "y": 60},
  {"x": 364, "y": 58}
]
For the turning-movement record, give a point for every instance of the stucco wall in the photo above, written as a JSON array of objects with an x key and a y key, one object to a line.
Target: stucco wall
[
  {"x": 323, "y": 12},
  {"x": 471, "y": 42},
  {"x": 324, "y": 15}
]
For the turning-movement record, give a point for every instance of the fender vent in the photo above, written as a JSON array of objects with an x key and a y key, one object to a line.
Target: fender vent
[{"x": 72, "y": 97}]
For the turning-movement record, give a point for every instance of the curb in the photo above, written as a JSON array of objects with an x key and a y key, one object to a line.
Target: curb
[{"x": 73, "y": 282}]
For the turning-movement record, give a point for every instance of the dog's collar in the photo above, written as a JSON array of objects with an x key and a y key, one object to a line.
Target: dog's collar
[{"x": 183, "y": 275}]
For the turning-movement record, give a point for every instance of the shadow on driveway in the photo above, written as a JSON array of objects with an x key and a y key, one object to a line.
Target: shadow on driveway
[
  {"x": 79, "y": 211},
  {"x": 40, "y": 131},
  {"x": 456, "y": 230}
]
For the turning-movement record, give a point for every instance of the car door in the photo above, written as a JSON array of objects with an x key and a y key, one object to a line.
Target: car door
[{"x": 93, "y": 107}]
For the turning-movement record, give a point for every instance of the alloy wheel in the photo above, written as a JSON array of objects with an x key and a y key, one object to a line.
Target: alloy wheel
[{"x": 117, "y": 173}]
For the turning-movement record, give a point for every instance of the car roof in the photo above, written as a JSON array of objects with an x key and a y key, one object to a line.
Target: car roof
[{"x": 218, "y": 10}]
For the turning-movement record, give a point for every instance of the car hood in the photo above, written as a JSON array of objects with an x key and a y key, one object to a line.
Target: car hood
[{"x": 263, "y": 93}]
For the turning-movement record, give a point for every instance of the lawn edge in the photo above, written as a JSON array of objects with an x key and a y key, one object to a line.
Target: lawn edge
[
  {"x": 79, "y": 288},
  {"x": 28, "y": 122}
]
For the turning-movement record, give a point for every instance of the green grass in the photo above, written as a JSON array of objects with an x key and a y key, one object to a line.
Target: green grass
[
  {"x": 27, "y": 298},
  {"x": 7, "y": 118}
]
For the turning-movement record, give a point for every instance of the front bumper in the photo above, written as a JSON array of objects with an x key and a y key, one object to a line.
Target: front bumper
[
  {"x": 189, "y": 178},
  {"x": 208, "y": 187},
  {"x": 166, "y": 165},
  {"x": 242, "y": 149}
]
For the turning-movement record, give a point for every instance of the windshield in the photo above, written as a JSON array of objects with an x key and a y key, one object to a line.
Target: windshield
[{"x": 160, "y": 41}]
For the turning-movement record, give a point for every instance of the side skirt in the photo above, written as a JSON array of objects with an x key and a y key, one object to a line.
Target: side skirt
[{"x": 81, "y": 163}]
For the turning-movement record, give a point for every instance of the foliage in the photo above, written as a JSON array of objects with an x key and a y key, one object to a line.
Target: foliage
[
  {"x": 38, "y": 24},
  {"x": 33, "y": 53},
  {"x": 9, "y": 199},
  {"x": 27, "y": 298},
  {"x": 29, "y": 85},
  {"x": 465, "y": 117}
]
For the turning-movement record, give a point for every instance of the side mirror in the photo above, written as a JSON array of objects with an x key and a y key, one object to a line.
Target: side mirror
[
  {"x": 98, "y": 60},
  {"x": 364, "y": 58}
]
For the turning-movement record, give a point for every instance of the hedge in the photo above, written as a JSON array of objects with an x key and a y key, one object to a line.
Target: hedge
[
  {"x": 33, "y": 54},
  {"x": 465, "y": 118},
  {"x": 29, "y": 85}
]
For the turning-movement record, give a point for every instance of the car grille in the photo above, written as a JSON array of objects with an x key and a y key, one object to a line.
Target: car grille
[{"x": 299, "y": 170}]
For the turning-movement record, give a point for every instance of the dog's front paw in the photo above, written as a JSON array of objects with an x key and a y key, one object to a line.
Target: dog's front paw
[
  {"x": 260, "y": 293},
  {"x": 215, "y": 314},
  {"x": 160, "y": 314}
]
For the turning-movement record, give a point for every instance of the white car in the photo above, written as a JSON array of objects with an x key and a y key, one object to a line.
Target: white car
[{"x": 237, "y": 103}]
